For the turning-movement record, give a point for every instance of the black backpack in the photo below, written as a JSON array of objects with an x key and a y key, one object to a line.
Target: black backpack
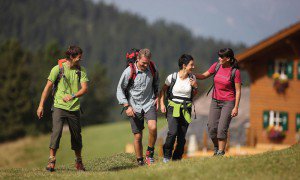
[{"x": 170, "y": 95}]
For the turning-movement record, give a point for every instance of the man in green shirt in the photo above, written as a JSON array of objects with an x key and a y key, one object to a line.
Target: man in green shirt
[{"x": 66, "y": 77}]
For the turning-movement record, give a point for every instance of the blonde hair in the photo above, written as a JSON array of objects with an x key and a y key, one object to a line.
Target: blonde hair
[{"x": 144, "y": 52}]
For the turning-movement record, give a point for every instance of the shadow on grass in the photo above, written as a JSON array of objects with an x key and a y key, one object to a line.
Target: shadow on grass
[
  {"x": 116, "y": 162},
  {"x": 119, "y": 168}
]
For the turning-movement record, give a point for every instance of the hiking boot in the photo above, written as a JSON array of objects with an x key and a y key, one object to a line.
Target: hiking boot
[
  {"x": 149, "y": 157},
  {"x": 79, "y": 165},
  {"x": 216, "y": 149},
  {"x": 51, "y": 164},
  {"x": 166, "y": 160},
  {"x": 220, "y": 153},
  {"x": 141, "y": 162}
]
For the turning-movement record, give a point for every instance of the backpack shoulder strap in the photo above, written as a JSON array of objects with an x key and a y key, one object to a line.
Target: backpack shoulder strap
[
  {"x": 174, "y": 78},
  {"x": 173, "y": 81},
  {"x": 217, "y": 68},
  {"x": 78, "y": 72},
  {"x": 191, "y": 76},
  {"x": 213, "y": 84},
  {"x": 232, "y": 76},
  {"x": 59, "y": 75},
  {"x": 132, "y": 71},
  {"x": 131, "y": 79},
  {"x": 152, "y": 69}
]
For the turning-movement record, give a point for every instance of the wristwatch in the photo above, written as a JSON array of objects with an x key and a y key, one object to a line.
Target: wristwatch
[
  {"x": 73, "y": 96},
  {"x": 126, "y": 107}
]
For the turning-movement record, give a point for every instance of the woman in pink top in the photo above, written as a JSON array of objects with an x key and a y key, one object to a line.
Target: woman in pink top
[{"x": 225, "y": 97}]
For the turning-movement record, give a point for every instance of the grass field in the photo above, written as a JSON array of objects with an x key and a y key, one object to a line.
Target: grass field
[
  {"x": 98, "y": 141},
  {"x": 283, "y": 164},
  {"x": 104, "y": 160}
]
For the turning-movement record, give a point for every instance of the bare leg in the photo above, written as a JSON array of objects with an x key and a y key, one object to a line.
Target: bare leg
[
  {"x": 152, "y": 133},
  {"x": 222, "y": 144},
  {"x": 138, "y": 146}
]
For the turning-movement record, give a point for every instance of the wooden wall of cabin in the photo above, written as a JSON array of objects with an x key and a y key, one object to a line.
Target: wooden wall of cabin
[{"x": 264, "y": 97}]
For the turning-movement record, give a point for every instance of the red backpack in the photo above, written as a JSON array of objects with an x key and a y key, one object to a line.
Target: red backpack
[
  {"x": 131, "y": 57},
  {"x": 62, "y": 75}
]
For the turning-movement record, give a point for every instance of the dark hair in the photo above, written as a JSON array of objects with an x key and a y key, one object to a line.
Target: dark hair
[
  {"x": 227, "y": 52},
  {"x": 73, "y": 51},
  {"x": 184, "y": 60}
]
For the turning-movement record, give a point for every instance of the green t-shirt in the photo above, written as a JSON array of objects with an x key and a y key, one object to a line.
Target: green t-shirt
[{"x": 67, "y": 85}]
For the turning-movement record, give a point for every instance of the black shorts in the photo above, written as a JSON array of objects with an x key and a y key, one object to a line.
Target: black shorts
[{"x": 137, "y": 122}]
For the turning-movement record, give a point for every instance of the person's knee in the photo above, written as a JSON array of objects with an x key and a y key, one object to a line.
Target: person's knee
[
  {"x": 152, "y": 128},
  {"x": 172, "y": 132},
  {"x": 138, "y": 137},
  {"x": 152, "y": 125}
]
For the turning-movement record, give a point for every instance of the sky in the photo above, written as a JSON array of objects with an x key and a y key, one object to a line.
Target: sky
[{"x": 246, "y": 21}]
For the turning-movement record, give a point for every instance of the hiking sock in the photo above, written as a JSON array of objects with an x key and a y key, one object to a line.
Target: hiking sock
[
  {"x": 151, "y": 151},
  {"x": 150, "y": 148},
  {"x": 78, "y": 159}
]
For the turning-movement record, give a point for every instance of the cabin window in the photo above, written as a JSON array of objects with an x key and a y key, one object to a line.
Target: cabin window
[
  {"x": 282, "y": 68},
  {"x": 275, "y": 118},
  {"x": 298, "y": 70},
  {"x": 298, "y": 122}
]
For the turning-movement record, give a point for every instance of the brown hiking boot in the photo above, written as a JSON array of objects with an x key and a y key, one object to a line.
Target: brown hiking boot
[
  {"x": 51, "y": 164},
  {"x": 79, "y": 165}
]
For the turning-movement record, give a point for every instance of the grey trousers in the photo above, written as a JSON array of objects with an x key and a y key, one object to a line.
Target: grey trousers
[
  {"x": 59, "y": 116},
  {"x": 219, "y": 118}
]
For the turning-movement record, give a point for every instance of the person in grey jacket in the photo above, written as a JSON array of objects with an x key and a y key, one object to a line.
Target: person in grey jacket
[{"x": 141, "y": 103}]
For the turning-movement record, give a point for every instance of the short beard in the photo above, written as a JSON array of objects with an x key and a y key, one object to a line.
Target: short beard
[{"x": 74, "y": 64}]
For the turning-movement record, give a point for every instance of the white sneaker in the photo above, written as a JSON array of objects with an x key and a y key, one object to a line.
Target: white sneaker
[{"x": 166, "y": 160}]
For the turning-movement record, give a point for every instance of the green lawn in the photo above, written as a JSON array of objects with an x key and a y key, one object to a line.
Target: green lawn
[
  {"x": 282, "y": 164},
  {"x": 105, "y": 159},
  {"x": 98, "y": 141}
]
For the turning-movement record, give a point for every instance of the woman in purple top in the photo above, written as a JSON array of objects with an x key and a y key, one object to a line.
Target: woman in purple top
[{"x": 225, "y": 97}]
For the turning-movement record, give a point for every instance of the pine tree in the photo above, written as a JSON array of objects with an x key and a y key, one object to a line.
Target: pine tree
[{"x": 15, "y": 101}]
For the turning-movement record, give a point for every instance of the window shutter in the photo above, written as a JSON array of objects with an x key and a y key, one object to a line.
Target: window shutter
[
  {"x": 284, "y": 119},
  {"x": 289, "y": 70},
  {"x": 271, "y": 68},
  {"x": 297, "y": 122},
  {"x": 298, "y": 70},
  {"x": 266, "y": 117}
]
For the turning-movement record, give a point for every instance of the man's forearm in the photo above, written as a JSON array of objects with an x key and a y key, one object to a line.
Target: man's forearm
[
  {"x": 81, "y": 92},
  {"x": 44, "y": 96}
]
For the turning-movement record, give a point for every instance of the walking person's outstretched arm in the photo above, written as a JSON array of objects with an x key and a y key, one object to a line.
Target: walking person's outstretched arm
[
  {"x": 203, "y": 75},
  {"x": 44, "y": 96}
]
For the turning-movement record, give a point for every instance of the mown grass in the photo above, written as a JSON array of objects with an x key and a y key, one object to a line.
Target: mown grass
[
  {"x": 283, "y": 164},
  {"x": 104, "y": 158},
  {"x": 98, "y": 141}
]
